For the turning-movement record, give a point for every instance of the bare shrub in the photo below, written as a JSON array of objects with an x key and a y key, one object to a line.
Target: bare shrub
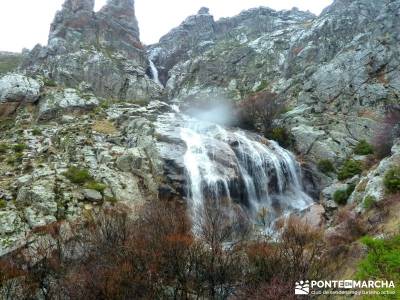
[{"x": 263, "y": 107}]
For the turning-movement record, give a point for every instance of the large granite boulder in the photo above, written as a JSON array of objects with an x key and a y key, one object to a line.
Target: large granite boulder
[
  {"x": 17, "y": 90},
  {"x": 58, "y": 102}
]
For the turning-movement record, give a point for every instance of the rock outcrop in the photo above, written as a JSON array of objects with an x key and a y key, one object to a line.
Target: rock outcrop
[
  {"x": 16, "y": 90},
  {"x": 95, "y": 109},
  {"x": 338, "y": 71},
  {"x": 102, "y": 49}
]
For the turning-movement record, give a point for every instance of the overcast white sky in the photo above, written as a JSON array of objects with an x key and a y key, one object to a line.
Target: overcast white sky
[{"x": 24, "y": 23}]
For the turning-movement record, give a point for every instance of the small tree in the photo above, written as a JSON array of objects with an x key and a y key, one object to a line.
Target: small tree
[{"x": 263, "y": 107}]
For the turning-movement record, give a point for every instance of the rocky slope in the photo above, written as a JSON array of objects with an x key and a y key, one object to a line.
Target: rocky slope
[
  {"x": 337, "y": 71},
  {"x": 82, "y": 126}
]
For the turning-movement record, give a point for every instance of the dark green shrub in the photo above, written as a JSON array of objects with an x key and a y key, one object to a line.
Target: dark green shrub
[
  {"x": 18, "y": 156},
  {"x": 4, "y": 148},
  {"x": 349, "y": 169},
  {"x": 3, "y": 203},
  {"x": 350, "y": 189},
  {"x": 280, "y": 135},
  {"x": 326, "y": 166},
  {"x": 49, "y": 82},
  {"x": 19, "y": 147},
  {"x": 363, "y": 148},
  {"x": 341, "y": 197},
  {"x": 369, "y": 202},
  {"x": 262, "y": 86},
  {"x": 78, "y": 176},
  {"x": 392, "y": 180},
  {"x": 36, "y": 131},
  {"x": 97, "y": 186}
]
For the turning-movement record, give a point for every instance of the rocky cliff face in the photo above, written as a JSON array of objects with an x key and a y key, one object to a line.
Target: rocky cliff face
[
  {"x": 102, "y": 49},
  {"x": 86, "y": 103},
  {"x": 337, "y": 71}
]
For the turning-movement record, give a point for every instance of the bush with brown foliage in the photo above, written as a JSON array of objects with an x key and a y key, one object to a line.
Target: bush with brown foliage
[
  {"x": 260, "y": 108},
  {"x": 349, "y": 226},
  {"x": 156, "y": 256}
]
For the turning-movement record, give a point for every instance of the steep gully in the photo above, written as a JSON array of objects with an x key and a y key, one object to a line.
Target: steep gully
[{"x": 229, "y": 165}]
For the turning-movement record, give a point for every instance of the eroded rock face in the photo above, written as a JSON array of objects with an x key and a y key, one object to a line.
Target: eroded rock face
[
  {"x": 58, "y": 102},
  {"x": 338, "y": 71},
  {"x": 102, "y": 49},
  {"x": 118, "y": 26},
  {"x": 17, "y": 90},
  {"x": 73, "y": 24}
]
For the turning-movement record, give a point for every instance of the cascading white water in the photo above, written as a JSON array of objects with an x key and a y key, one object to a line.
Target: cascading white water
[
  {"x": 154, "y": 72},
  {"x": 240, "y": 167}
]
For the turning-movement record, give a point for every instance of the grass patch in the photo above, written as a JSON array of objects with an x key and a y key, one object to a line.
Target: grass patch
[
  {"x": 3, "y": 204},
  {"x": 363, "y": 148},
  {"x": 36, "y": 131},
  {"x": 392, "y": 180},
  {"x": 77, "y": 175},
  {"x": 105, "y": 127},
  {"x": 369, "y": 202},
  {"x": 112, "y": 200},
  {"x": 97, "y": 186},
  {"x": 3, "y": 148},
  {"x": 349, "y": 169},
  {"x": 19, "y": 147},
  {"x": 382, "y": 262}
]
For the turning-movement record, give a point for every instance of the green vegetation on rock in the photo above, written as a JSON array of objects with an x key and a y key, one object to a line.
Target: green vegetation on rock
[
  {"x": 363, "y": 148},
  {"x": 19, "y": 147},
  {"x": 392, "y": 180},
  {"x": 77, "y": 175},
  {"x": 49, "y": 82},
  {"x": 3, "y": 203},
  {"x": 36, "y": 131},
  {"x": 97, "y": 186},
  {"x": 326, "y": 166},
  {"x": 382, "y": 262},
  {"x": 4, "y": 148},
  {"x": 280, "y": 135},
  {"x": 349, "y": 169},
  {"x": 369, "y": 202},
  {"x": 341, "y": 196}
]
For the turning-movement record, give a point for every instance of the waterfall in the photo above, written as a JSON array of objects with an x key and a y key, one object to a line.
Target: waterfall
[
  {"x": 154, "y": 72},
  {"x": 239, "y": 167}
]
